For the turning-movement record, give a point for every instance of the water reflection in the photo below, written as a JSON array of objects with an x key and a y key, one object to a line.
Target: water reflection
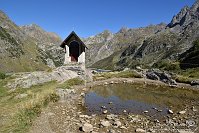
[{"x": 135, "y": 98}]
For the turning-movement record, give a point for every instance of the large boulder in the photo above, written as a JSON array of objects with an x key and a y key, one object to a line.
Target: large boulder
[
  {"x": 156, "y": 74},
  {"x": 195, "y": 83}
]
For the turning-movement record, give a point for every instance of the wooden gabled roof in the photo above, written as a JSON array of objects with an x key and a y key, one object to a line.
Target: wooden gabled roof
[{"x": 65, "y": 42}]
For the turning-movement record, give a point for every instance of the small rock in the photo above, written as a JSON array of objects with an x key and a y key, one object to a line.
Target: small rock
[
  {"x": 105, "y": 83},
  {"x": 159, "y": 110},
  {"x": 124, "y": 111},
  {"x": 184, "y": 131},
  {"x": 84, "y": 89},
  {"x": 20, "y": 96},
  {"x": 170, "y": 111},
  {"x": 182, "y": 112},
  {"x": 87, "y": 127},
  {"x": 111, "y": 131},
  {"x": 146, "y": 111},
  {"x": 82, "y": 94},
  {"x": 51, "y": 114},
  {"x": 63, "y": 112},
  {"x": 123, "y": 127},
  {"x": 190, "y": 123},
  {"x": 105, "y": 123},
  {"x": 105, "y": 111},
  {"x": 194, "y": 109},
  {"x": 111, "y": 117},
  {"x": 117, "y": 123},
  {"x": 110, "y": 103},
  {"x": 139, "y": 130},
  {"x": 156, "y": 121},
  {"x": 112, "y": 82},
  {"x": 103, "y": 107},
  {"x": 85, "y": 116}
]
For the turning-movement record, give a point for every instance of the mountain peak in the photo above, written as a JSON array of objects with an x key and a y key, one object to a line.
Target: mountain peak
[
  {"x": 195, "y": 7},
  {"x": 123, "y": 30},
  {"x": 38, "y": 33}
]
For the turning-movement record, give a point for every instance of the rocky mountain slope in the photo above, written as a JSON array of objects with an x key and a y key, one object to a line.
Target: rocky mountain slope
[
  {"x": 150, "y": 45},
  {"x": 107, "y": 43},
  {"x": 22, "y": 50},
  {"x": 48, "y": 43}
]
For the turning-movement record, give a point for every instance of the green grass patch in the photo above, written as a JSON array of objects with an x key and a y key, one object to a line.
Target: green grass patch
[
  {"x": 122, "y": 74},
  {"x": 71, "y": 82},
  {"x": 182, "y": 79},
  {"x": 17, "y": 114},
  {"x": 26, "y": 116}
]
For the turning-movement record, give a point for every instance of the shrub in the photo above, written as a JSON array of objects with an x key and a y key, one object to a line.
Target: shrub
[
  {"x": 167, "y": 65},
  {"x": 2, "y": 75},
  {"x": 181, "y": 79}
]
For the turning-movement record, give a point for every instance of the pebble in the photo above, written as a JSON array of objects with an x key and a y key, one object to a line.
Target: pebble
[
  {"x": 82, "y": 94},
  {"x": 194, "y": 109},
  {"x": 182, "y": 112},
  {"x": 170, "y": 111},
  {"x": 111, "y": 131},
  {"x": 84, "y": 89},
  {"x": 111, "y": 117},
  {"x": 84, "y": 116},
  {"x": 140, "y": 130},
  {"x": 105, "y": 111},
  {"x": 123, "y": 127},
  {"x": 103, "y": 107},
  {"x": 105, "y": 83},
  {"x": 184, "y": 131},
  {"x": 87, "y": 127},
  {"x": 105, "y": 123},
  {"x": 124, "y": 111},
  {"x": 117, "y": 123},
  {"x": 146, "y": 111}
]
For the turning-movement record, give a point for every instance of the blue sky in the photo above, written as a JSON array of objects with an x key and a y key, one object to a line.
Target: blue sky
[{"x": 90, "y": 17}]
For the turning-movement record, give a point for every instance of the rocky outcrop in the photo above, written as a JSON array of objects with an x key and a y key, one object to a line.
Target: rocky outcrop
[
  {"x": 156, "y": 74},
  {"x": 61, "y": 74},
  {"x": 149, "y": 46},
  {"x": 48, "y": 42},
  {"x": 106, "y": 43}
]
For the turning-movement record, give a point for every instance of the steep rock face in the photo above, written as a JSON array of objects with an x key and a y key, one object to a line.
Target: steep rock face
[
  {"x": 106, "y": 43},
  {"x": 48, "y": 43},
  {"x": 190, "y": 58},
  {"x": 18, "y": 51}
]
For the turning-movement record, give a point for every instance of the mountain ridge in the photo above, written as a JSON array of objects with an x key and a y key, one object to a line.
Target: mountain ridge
[
  {"x": 22, "y": 52},
  {"x": 168, "y": 43}
]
